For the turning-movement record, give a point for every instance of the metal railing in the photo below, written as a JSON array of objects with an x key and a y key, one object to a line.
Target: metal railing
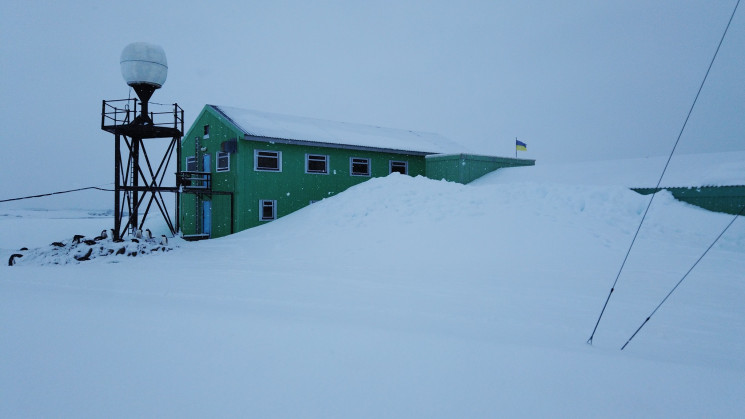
[
  {"x": 195, "y": 181},
  {"x": 120, "y": 112}
]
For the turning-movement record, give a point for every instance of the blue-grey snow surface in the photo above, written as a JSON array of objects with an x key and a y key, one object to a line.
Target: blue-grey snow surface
[{"x": 402, "y": 297}]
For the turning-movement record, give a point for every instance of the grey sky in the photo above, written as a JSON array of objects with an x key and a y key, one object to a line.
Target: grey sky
[{"x": 575, "y": 80}]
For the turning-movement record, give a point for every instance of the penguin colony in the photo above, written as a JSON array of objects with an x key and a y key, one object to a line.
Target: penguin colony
[{"x": 81, "y": 249}]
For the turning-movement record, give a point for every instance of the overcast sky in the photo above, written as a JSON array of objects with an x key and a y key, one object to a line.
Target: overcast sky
[{"x": 575, "y": 80}]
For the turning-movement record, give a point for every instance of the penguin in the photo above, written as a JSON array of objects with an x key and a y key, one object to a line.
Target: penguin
[
  {"x": 148, "y": 234},
  {"x": 135, "y": 240},
  {"x": 121, "y": 251},
  {"x": 89, "y": 242},
  {"x": 23, "y": 249},
  {"x": 13, "y": 257},
  {"x": 58, "y": 244},
  {"x": 87, "y": 256},
  {"x": 103, "y": 236},
  {"x": 164, "y": 240},
  {"x": 76, "y": 238}
]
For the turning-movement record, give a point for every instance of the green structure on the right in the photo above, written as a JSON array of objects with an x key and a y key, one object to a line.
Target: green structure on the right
[{"x": 726, "y": 199}]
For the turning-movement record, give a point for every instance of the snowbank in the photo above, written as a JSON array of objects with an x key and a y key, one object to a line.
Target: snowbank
[
  {"x": 402, "y": 297},
  {"x": 711, "y": 169}
]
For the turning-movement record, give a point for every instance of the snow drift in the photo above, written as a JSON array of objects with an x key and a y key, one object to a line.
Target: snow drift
[{"x": 402, "y": 297}]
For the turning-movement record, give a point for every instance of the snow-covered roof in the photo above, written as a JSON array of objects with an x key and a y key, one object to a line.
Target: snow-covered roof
[{"x": 343, "y": 134}]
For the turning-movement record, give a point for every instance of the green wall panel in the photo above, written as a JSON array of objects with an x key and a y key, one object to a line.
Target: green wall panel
[
  {"x": 188, "y": 214},
  {"x": 294, "y": 189},
  {"x": 465, "y": 168},
  {"x": 726, "y": 199}
]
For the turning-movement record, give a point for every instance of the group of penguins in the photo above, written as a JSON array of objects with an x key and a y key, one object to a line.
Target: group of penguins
[{"x": 125, "y": 248}]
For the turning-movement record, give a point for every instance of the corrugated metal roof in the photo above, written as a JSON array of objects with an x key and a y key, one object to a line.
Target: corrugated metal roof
[{"x": 310, "y": 130}]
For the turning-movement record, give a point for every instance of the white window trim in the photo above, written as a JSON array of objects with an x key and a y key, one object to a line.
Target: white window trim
[
  {"x": 217, "y": 161},
  {"x": 351, "y": 166},
  {"x": 194, "y": 160},
  {"x": 326, "y": 160},
  {"x": 261, "y": 209},
  {"x": 390, "y": 166},
  {"x": 256, "y": 161}
]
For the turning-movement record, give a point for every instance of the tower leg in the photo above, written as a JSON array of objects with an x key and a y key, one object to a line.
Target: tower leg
[
  {"x": 117, "y": 188},
  {"x": 178, "y": 193},
  {"x": 133, "y": 224}
]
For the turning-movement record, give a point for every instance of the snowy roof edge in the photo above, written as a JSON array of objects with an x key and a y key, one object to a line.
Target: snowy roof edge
[
  {"x": 250, "y": 137},
  {"x": 335, "y": 134}
]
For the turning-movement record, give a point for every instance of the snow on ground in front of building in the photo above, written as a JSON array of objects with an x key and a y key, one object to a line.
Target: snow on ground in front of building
[{"x": 402, "y": 297}]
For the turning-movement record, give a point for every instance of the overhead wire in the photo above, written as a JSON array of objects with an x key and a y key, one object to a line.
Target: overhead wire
[
  {"x": 742, "y": 210},
  {"x": 662, "y": 175},
  {"x": 59, "y": 193}
]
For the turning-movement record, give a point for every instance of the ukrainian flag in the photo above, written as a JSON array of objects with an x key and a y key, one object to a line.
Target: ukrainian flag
[{"x": 519, "y": 145}]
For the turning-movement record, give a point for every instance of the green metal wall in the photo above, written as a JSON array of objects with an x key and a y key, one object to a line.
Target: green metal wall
[
  {"x": 292, "y": 188},
  {"x": 194, "y": 144},
  {"x": 187, "y": 214},
  {"x": 727, "y": 199},
  {"x": 465, "y": 168}
]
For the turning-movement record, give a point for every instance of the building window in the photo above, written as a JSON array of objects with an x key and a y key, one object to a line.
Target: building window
[
  {"x": 316, "y": 163},
  {"x": 223, "y": 162},
  {"x": 270, "y": 161},
  {"x": 267, "y": 210},
  {"x": 359, "y": 166},
  {"x": 206, "y": 131},
  {"x": 399, "y": 166},
  {"x": 191, "y": 164}
]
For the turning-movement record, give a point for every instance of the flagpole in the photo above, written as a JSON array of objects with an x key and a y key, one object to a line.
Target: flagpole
[{"x": 515, "y": 147}]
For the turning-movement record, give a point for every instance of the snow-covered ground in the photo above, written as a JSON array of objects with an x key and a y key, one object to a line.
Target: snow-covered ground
[
  {"x": 707, "y": 169},
  {"x": 402, "y": 297}
]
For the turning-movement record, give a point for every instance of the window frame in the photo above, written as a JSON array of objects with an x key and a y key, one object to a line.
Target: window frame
[
  {"x": 272, "y": 204},
  {"x": 218, "y": 156},
  {"x": 193, "y": 161},
  {"x": 206, "y": 131},
  {"x": 256, "y": 160},
  {"x": 405, "y": 166},
  {"x": 367, "y": 160},
  {"x": 316, "y": 172}
]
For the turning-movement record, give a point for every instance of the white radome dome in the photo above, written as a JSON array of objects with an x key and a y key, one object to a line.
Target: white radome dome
[{"x": 144, "y": 63}]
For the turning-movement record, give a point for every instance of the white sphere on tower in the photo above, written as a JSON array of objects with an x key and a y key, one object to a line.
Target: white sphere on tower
[{"x": 144, "y": 63}]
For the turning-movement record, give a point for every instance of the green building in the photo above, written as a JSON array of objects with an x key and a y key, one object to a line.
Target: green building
[
  {"x": 729, "y": 199},
  {"x": 243, "y": 168}
]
